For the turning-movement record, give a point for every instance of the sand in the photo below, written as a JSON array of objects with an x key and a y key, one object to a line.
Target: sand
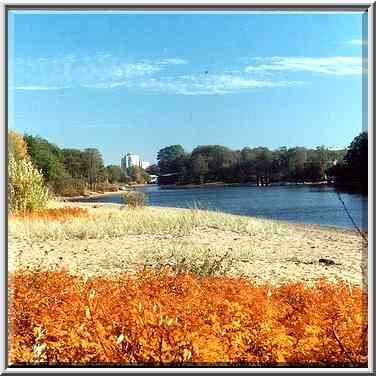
[{"x": 292, "y": 254}]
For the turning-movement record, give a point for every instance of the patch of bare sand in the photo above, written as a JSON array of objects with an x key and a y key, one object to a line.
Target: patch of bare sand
[{"x": 291, "y": 255}]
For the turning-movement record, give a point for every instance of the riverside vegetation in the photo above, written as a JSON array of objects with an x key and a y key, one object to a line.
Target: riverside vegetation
[
  {"x": 133, "y": 284},
  {"x": 73, "y": 172}
]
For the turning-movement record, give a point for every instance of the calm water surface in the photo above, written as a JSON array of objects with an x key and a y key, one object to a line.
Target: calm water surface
[{"x": 300, "y": 204}]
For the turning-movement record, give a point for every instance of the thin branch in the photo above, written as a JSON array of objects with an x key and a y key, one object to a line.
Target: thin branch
[
  {"x": 343, "y": 347},
  {"x": 351, "y": 218}
]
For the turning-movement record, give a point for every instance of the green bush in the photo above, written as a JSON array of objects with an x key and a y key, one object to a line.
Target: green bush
[
  {"x": 26, "y": 189},
  {"x": 134, "y": 199}
]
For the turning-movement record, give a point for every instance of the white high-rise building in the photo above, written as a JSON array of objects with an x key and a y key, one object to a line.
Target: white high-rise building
[
  {"x": 130, "y": 160},
  {"x": 144, "y": 164},
  {"x": 124, "y": 163},
  {"x": 133, "y": 160}
]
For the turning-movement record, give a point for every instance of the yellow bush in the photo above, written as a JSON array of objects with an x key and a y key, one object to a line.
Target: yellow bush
[
  {"x": 26, "y": 189},
  {"x": 134, "y": 199},
  {"x": 17, "y": 147}
]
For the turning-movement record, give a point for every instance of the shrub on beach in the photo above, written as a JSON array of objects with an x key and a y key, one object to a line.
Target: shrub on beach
[
  {"x": 26, "y": 189},
  {"x": 134, "y": 199},
  {"x": 168, "y": 318}
]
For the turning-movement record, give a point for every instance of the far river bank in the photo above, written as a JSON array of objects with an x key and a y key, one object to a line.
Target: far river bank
[{"x": 302, "y": 203}]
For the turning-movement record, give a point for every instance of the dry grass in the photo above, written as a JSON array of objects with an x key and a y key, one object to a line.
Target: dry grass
[
  {"x": 112, "y": 239},
  {"x": 110, "y": 223}
]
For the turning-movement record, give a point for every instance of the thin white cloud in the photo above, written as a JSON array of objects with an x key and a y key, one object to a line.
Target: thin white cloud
[
  {"x": 215, "y": 84},
  {"x": 100, "y": 71},
  {"x": 338, "y": 65},
  {"x": 38, "y": 88},
  {"x": 175, "y": 61},
  {"x": 105, "y": 85},
  {"x": 357, "y": 42},
  {"x": 171, "y": 75}
]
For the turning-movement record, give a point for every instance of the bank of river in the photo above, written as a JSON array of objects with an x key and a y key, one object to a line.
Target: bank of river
[
  {"x": 113, "y": 240},
  {"x": 299, "y": 204}
]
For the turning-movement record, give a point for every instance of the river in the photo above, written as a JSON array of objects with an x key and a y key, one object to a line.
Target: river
[{"x": 300, "y": 204}]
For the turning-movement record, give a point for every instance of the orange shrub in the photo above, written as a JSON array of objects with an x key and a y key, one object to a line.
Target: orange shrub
[
  {"x": 59, "y": 214},
  {"x": 165, "y": 318}
]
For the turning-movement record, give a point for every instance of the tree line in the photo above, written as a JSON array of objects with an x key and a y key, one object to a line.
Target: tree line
[
  {"x": 71, "y": 171},
  {"x": 216, "y": 163}
]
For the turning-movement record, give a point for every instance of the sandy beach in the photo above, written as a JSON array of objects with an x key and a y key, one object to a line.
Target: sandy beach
[{"x": 113, "y": 240}]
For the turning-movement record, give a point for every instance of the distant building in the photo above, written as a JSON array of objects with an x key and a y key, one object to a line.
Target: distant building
[
  {"x": 124, "y": 163},
  {"x": 130, "y": 160},
  {"x": 144, "y": 164}
]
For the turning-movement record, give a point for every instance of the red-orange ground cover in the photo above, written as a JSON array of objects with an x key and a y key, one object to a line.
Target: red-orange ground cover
[
  {"x": 59, "y": 214},
  {"x": 162, "y": 318}
]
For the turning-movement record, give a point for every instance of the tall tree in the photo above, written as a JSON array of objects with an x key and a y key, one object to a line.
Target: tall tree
[
  {"x": 219, "y": 159},
  {"x": 46, "y": 157},
  {"x": 171, "y": 158},
  {"x": 199, "y": 167},
  {"x": 138, "y": 175},
  {"x": 74, "y": 162},
  {"x": 356, "y": 158},
  {"x": 116, "y": 174},
  {"x": 93, "y": 165},
  {"x": 153, "y": 170}
]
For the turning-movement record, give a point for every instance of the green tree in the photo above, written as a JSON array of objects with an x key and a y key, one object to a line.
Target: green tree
[
  {"x": 116, "y": 174},
  {"x": 356, "y": 158},
  {"x": 46, "y": 157},
  {"x": 219, "y": 159},
  {"x": 138, "y": 175},
  {"x": 74, "y": 162},
  {"x": 171, "y": 159},
  {"x": 296, "y": 158},
  {"x": 93, "y": 166},
  {"x": 153, "y": 169},
  {"x": 354, "y": 166},
  {"x": 199, "y": 167},
  {"x": 263, "y": 161}
]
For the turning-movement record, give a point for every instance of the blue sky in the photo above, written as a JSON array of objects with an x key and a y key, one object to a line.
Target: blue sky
[{"x": 139, "y": 82}]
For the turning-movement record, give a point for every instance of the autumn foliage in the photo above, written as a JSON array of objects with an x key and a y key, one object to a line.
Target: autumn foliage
[
  {"x": 17, "y": 147},
  {"x": 59, "y": 214},
  {"x": 165, "y": 318}
]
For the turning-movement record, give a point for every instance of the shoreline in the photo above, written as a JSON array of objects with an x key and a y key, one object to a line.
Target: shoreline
[
  {"x": 222, "y": 184},
  {"x": 183, "y": 186},
  {"x": 119, "y": 240},
  {"x": 205, "y": 185},
  {"x": 91, "y": 195},
  {"x": 98, "y": 194},
  {"x": 300, "y": 225}
]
